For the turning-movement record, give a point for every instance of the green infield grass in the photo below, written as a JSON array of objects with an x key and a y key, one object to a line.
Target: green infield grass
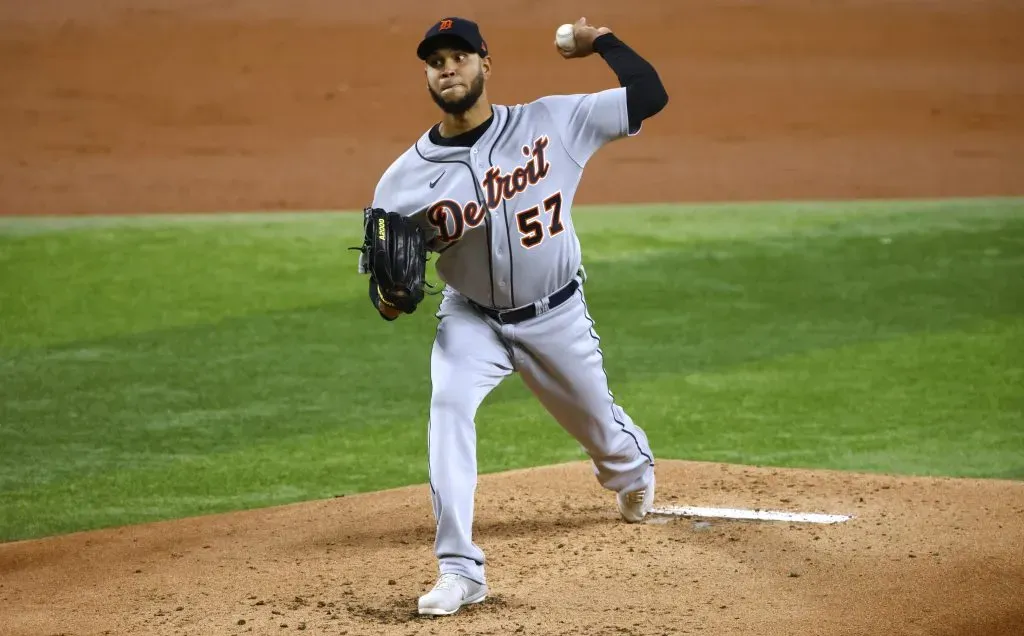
[{"x": 158, "y": 367}]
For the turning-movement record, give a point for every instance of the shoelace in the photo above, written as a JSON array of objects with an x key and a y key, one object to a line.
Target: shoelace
[
  {"x": 636, "y": 497},
  {"x": 447, "y": 581}
]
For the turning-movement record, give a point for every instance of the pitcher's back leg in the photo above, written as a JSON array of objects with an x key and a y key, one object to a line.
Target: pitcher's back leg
[{"x": 559, "y": 357}]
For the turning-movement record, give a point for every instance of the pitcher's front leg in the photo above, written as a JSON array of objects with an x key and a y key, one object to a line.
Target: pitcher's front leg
[{"x": 467, "y": 361}]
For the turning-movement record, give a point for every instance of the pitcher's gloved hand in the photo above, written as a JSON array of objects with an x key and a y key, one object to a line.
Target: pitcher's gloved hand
[{"x": 396, "y": 258}]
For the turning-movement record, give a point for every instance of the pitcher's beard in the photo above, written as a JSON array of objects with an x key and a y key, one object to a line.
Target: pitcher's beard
[{"x": 464, "y": 103}]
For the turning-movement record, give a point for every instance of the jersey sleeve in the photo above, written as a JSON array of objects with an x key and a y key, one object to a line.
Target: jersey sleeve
[{"x": 588, "y": 121}]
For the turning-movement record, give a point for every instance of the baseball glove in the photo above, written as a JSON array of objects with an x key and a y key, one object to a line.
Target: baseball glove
[{"x": 396, "y": 257}]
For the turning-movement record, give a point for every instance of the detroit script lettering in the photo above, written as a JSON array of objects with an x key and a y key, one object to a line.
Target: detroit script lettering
[{"x": 497, "y": 186}]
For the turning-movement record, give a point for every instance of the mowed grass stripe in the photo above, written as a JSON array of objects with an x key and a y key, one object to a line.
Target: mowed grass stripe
[
  {"x": 120, "y": 275},
  {"x": 890, "y": 406},
  {"x": 783, "y": 212},
  {"x": 252, "y": 365}
]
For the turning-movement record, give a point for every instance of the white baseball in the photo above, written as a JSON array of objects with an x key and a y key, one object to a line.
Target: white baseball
[{"x": 564, "y": 38}]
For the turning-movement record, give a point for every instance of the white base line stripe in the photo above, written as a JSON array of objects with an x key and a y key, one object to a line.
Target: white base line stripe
[{"x": 756, "y": 515}]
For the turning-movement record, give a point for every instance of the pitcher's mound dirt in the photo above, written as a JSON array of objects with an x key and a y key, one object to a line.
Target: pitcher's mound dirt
[{"x": 920, "y": 556}]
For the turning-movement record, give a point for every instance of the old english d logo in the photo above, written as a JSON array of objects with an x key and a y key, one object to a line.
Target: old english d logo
[{"x": 445, "y": 25}]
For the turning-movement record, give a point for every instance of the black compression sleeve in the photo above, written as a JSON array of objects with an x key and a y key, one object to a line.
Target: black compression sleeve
[{"x": 645, "y": 94}]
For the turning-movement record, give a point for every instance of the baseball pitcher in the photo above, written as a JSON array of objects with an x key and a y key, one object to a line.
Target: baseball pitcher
[{"x": 489, "y": 189}]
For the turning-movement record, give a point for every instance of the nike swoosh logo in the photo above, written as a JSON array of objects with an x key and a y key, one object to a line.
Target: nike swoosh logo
[{"x": 434, "y": 182}]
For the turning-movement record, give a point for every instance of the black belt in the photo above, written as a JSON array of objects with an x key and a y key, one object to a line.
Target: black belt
[{"x": 512, "y": 316}]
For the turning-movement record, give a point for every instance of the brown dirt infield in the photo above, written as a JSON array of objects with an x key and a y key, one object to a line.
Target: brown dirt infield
[
  {"x": 118, "y": 106},
  {"x": 126, "y": 106},
  {"x": 920, "y": 556}
]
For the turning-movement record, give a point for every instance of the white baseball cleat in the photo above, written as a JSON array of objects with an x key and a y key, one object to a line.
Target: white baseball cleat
[
  {"x": 451, "y": 592},
  {"x": 634, "y": 506}
]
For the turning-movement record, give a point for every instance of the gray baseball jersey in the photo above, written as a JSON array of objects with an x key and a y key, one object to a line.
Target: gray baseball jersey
[{"x": 499, "y": 213}]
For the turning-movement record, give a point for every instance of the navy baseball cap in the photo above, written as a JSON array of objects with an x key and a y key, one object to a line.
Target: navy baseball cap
[{"x": 459, "y": 28}]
